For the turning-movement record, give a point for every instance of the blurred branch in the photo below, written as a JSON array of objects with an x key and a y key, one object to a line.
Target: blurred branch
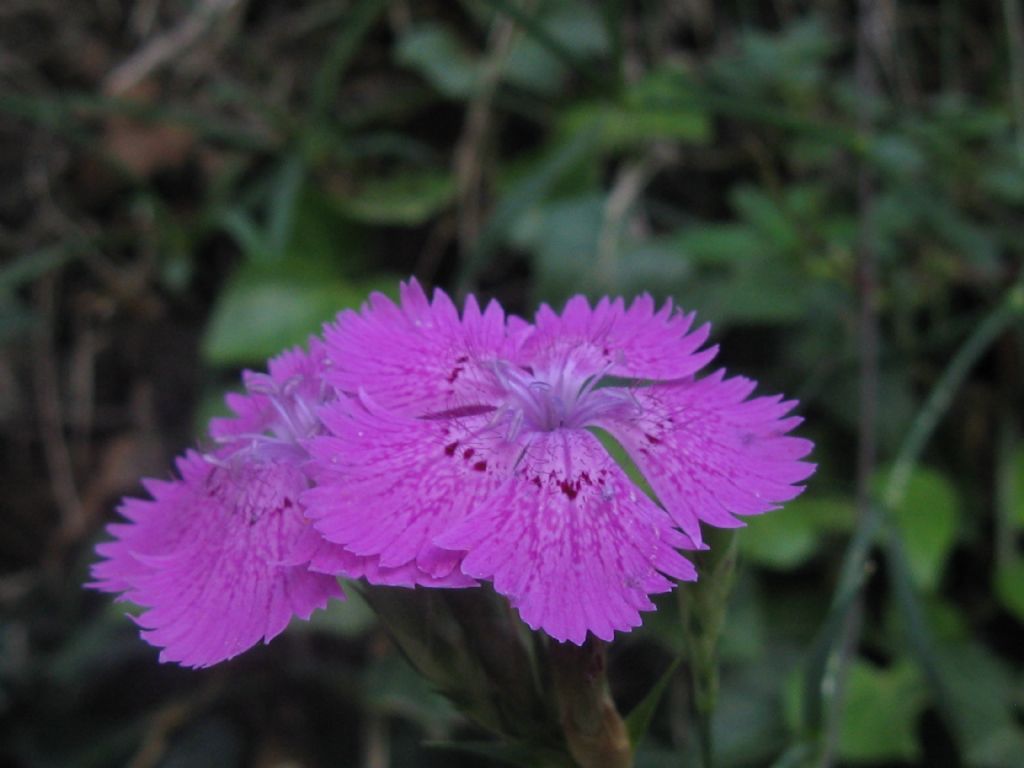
[
  {"x": 338, "y": 58},
  {"x": 1015, "y": 40},
  {"x": 65, "y": 114},
  {"x": 535, "y": 29},
  {"x": 376, "y": 745},
  {"x": 630, "y": 182},
  {"x": 167, "y": 720},
  {"x": 469, "y": 150},
  {"x": 870, "y": 40},
  {"x": 520, "y": 197},
  {"x": 167, "y": 46},
  {"x": 703, "y": 607},
  {"x": 47, "y": 389}
]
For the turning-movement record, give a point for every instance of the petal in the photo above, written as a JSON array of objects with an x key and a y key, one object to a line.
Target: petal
[
  {"x": 639, "y": 341},
  {"x": 206, "y": 559},
  {"x": 333, "y": 559},
  {"x": 710, "y": 454},
  {"x": 418, "y": 357},
  {"x": 294, "y": 377},
  {"x": 571, "y": 541},
  {"x": 386, "y": 484}
]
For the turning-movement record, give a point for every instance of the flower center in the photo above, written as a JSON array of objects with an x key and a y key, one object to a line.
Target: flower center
[
  {"x": 289, "y": 421},
  {"x": 561, "y": 398}
]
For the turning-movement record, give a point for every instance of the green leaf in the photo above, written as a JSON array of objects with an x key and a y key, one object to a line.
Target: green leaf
[
  {"x": 825, "y": 514},
  {"x": 394, "y": 687},
  {"x": 344, "y": 48},
  {"x": 927, "y": 517},
  {"x": 639, "y": 719},
  {"x": 266, "y": 309},
  {"x": 762, "y": 290},
  {"x": 405, "y": 199},
  {"x": 1017, "y": 479},
  {"x": 658, "y": 107},
  {"x": 778, "y": 540},
  {"x": 30, "y": 266},
  {"x": 434, "y": 52},
  {"x": 283, "y": 201},
  {"x": 880, "y": 712},
  {"x": 749, "y": 726},
  {"x": 564, "y": 246},
  {"x": 351, "y": 617},
  {"x": 576, "y": 26},
  {"x": 769, "y": 217},
  {"x": 717, "y": 243},
  {"x": 1009, "y": 587},
  {"x": 629, "y": 127},
  {"x": 525, "y": 193},
  {"x": 574, "y": 30},
  {"x": 981, "y": 689},
  {"x": 254, "y": 319},
  {"x": 246, "y": 234},
  {"x": 621, "y": 457},
  {"x": 789, "y": 537}
]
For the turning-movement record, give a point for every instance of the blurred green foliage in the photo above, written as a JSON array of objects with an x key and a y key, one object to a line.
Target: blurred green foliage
[{"x": 725, "y": 156}]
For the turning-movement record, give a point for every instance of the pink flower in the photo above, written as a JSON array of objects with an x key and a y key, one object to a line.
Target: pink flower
[
  {"x": 464, "y": 449},
  {"x": 218, "y": 556}
]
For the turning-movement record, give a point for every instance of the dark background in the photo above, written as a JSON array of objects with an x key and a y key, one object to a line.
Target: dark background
[{"x": 187, "y": 187}]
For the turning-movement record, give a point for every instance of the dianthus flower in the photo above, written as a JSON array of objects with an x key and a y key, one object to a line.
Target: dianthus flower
[
  {"x": 218, "y": 556},
  {"x": 464, "y": 447}
]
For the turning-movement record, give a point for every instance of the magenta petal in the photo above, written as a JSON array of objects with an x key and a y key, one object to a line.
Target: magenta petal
[
  {"x": 386, "y": 485},
  {"x": 206, "y": 556},
  {"x": 640, "y": 341},
  {"x": 571, "y": 541},
  {"x": 418, "y": 357},
  {"x": 710, "y": 454},
  {"x": 285, "y": 396},
  {"x": 336, "y": 560}
]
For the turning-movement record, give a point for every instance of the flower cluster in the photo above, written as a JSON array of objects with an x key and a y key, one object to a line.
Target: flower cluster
[{"x": 414, "y": 445}]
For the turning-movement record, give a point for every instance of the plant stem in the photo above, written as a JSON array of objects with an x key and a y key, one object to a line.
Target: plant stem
[
  {"x": 869, "y": 45},
  {"x": 703, "y": 606},
  {"x": 1009, "y": 309},
  {"x": 594, "y": 731}
]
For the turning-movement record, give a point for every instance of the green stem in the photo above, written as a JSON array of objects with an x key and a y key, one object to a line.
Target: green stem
[
  {"x": 1009, "y": 309},
  {"x": 703, "y": 607},
  {"x": 1015, "y": 43},
  {"x": 342, "y": 52}
]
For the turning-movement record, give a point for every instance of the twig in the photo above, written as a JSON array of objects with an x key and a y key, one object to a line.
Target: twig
[
  {"x": 47, "y": 390},
  {"x": 169, "y": 719},
  {"x": 868, "y": 41},
  {"x": 470, "y": 148},
  {"x": 629, "y": 184},
  {"x": 433, "y": 249},
  {"x": 163, "y": 48},
  {"x": 521, "y": 16},
  {"x": 377, "y": 746},
  {"x": 1015, "y": 41}
]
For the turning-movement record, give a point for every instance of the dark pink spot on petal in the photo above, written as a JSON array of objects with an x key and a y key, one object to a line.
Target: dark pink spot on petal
[{"x": 569, "y": 489}]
